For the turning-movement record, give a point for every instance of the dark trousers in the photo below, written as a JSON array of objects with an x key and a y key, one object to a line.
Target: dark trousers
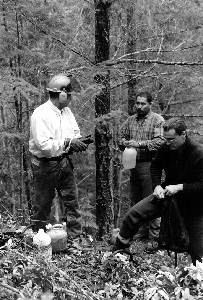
[
  {"x": 141, "y": 187},
  {"x": 57, "y": 175},
  {"x": 145, "y": 211}
]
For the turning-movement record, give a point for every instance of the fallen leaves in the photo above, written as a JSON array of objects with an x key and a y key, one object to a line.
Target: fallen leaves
[{"x": 98, "y": 274}]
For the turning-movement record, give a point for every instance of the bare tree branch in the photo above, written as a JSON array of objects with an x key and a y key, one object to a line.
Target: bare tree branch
[
  {"x": 184, "y": 101},
  {"x": 57, "y": 39},
  {"x": 182, "y": 115},
  {"x": 153, "y": 61}
]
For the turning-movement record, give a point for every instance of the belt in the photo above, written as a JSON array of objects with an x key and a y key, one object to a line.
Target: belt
[
  {"x": 143, "y": 160},
  {"x": 56, "y": 158}
]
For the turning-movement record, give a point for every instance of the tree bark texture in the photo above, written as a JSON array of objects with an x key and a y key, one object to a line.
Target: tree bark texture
[
  {"x": 131, "y": 47},
  {"x": 102, "y": 131},
  {"x": 24, "y": 184}
]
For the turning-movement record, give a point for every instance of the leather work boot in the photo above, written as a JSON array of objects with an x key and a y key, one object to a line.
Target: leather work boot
[{"x": 120, "y": 246}]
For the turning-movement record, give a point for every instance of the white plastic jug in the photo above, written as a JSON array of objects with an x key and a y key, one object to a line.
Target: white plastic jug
[
  {"x": 43, "y": 243},
  {"x": 129, "y": 158},
  {"x": 58, "y": 237}
]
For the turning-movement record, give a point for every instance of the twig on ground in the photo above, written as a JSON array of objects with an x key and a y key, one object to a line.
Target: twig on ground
[{"x": 6, "y": 286}]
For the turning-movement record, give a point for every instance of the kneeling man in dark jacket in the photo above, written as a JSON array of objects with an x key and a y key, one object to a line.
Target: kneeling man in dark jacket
[{"x": 182, "y": 161}]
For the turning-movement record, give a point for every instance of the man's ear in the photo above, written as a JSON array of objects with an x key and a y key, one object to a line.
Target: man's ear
[
  {"x": 184, "y": 133},
  {"x": 62, "y": 97}
]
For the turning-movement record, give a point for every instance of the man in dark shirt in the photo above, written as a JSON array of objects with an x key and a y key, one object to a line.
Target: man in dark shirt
[
  {"x": 182, "y": 161},
  {"x": 144, "y": 132}
]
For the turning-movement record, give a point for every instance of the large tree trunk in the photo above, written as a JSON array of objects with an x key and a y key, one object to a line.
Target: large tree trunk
[
  {"x": 131, "y": 47},
  {"x": 102, "y": 130},
  {"x": 24, "y": 185}
]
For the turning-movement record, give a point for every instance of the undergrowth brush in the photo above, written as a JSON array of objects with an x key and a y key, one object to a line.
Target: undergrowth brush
[{"x": 89, "y": 270}]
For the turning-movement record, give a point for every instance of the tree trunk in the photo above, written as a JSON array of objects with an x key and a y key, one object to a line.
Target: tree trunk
[
  {"x": 131, "y": 44},
  {"x": 6, "y": 163},
  {"x": 102, "y": 131},
  {"x": 23, "y": 159}
]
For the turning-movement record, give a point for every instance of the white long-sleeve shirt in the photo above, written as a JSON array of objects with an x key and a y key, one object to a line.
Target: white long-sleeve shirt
[{"x": 49, "y": 126}]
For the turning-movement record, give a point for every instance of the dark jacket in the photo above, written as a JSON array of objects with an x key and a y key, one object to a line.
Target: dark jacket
[{"x": 182, "y": 166}]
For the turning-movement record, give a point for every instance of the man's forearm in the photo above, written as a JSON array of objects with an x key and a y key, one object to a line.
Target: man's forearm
[
  {"x": 142, "y": 144},
  {"x": 154, "y": 144}
]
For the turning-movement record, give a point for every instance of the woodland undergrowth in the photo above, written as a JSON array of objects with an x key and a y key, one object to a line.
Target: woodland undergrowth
[{"x": 89, "y": 270}]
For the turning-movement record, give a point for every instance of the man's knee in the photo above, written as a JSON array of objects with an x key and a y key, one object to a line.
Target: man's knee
[
  {"x": 131, "y": 216},
  {"x": 131, "y": 224}
]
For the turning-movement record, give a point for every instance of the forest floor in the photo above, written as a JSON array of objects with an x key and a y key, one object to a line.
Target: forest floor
[{"x": 90, "y": 271}]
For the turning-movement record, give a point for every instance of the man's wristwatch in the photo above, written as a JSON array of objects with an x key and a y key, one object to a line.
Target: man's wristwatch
[{"x": 142, "y": 144}]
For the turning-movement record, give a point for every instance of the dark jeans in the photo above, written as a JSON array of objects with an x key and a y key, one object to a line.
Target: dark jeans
[
  {"x": 145, "y": 211},
  {"x": 141, "y": 187},
  {"x": 57, "y": 175},
  {"x": 194, "y": 226}
]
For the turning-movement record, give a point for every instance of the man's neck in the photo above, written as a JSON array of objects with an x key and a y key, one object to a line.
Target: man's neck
[
  {"x": 142, "y": 117},
  {"x": 55, "y": 102}
]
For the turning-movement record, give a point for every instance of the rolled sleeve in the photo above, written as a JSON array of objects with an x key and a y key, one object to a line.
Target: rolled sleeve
[{"x": 157, "y": 137}]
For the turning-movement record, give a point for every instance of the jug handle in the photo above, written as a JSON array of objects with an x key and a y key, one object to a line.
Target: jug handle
[{"x": 57, "y": 226}]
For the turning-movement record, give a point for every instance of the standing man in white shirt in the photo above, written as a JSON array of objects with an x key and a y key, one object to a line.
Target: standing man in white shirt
[{"x": 54, "y": 134}]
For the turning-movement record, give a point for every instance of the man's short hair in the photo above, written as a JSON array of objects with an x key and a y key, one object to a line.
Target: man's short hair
[
  {"x": 146, "y": 95},
  {"x": 175, "y": 123}
]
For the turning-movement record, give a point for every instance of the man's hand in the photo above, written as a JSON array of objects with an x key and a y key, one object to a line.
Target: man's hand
[
  {"x": 159, "y": 192},
  {"x": 173, "y": 189},
  {"x": 87, "y": 140},
  {"x": 77, "y": 145},
  {"x": 132, "y": 143}
]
